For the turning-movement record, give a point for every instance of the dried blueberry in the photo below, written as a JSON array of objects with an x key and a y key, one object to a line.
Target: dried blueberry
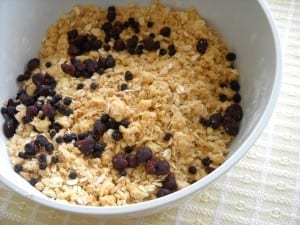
[
  {"x": 80, "y": 86},
  {"x": 125, "y": 123},
  {"x": 80, "y": 66},
  {"x": 12, "y": 102},
  {"x": 73, "y": 50},
  {"x": 192, "y": 170},
  {"x": 23, "y": 77},
  {"x": 106, "y": 47},
  {"x": 162, "y": 51},
  {"x": 52, "y": 133},
  {"x": 95, "y": 44},
  {"x": 110, "y": 62},
  {"x": 72, "y": 34},
  {"x": 120, "y": 162},
  {"x": 167, "y": 136},
  {"x": 111, "y": 8},
  {"x": 59, "y": 140},
  {"x": 230, "y": 125},
  {"x": 156, "y": 45},
  {"x": 40, "y": 79},
  {"x": 131, "y": 20},
  {"x": 106, "y": 27},
  {"x": 67, "y": 101},
  {"x": 11, "y": 111},
  {"x": 31, "y": 149},
  {"x": 72, "y": 175},
  {"x": 215, "y": 120},
  {"x": 139, "y": 51},
  {"x": 119, "y": 45},
  {"x": 69, "y": 137},
  {"x": 151, "y": 165},
  {"x": 18, "y": 168},
  {"x": 99, "y": 146},
  {"x": 143, "y": 154},
  {"x": 149, "y": 44},
  {"x": 65, "y": 111},
  {"x": 33, "y": 64},
  {"x": 128, "y": 75},
  {"x": 25, "y": 99},
  {"x": 97, "y": 154},
  {"x": 24, "y": 155},
  {"x": 56, "y": 98},
  {"x": 128, "y": 149},
  {"x": 165, "y": 31},
  {"x": 90, "y": 65},
  {"x": 56, "y": 126},
  {"x": 202, "y": 45},
  {"x": 105, "y": 118},
  {"x": 33, "y": 181},
  {"x": 162, "y": 167},
  {"x": 150, "y": 24},
  {"x": 117, "y": 135},
  {"x": 93, "y": 86},
  {"x": 172, "y": 51},
  {"x": 42, "y": 158},
  {"x": 49, "y": 148},
  {"x": 124, "y": 87},
  {"x": 48, "y": 64},
  {"x": 44, "y": 90},
  {"x": 117, "y": 29},
  {"x": 100, "y": 127},
  {"x": 112, "y": 124},
  {"x": 234, "y": 111},
  {"x": 123, "y": 172},
  {"x": 223, "y": 85},
  {"x": 237, "y": 98},
  {"x": 111, "y": 15},
  {"x": 163, "y": 192},
  {"x": 205, "y": 122},
  {"x": 222, "y": 97},
  {"x": 83, "y": 135},
  {"x": 231, "y": 56},
  {"x": 170, "y": 182},
  {"x": 206, "y": 161},
  {"x": 41, "y": 140},
  {"x": 234, "y": 85},
  {"x": 100, "y": 71},
  {"x": 86, "y": 145},
  {"x": 126, "y": 24},
  {"x": 3, "y": 110},
  {"x": 31, "y": 112},
  {"x": 152, "y": 35},
  {"x": 54, "y": 159},
  {"x": 38, "y": 105},
  {"x": 132, "y": 42},
  {"x": 131, "y": 51},
  {"x": 132, "y": 161},
  {"x": 69, "y": 69},
  {"x": 209, "y": 169},
  {"x": 42, "y": 165}
]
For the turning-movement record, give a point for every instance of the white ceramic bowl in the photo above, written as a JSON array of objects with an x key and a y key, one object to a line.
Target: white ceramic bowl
[{"x": 247, "y": 28}]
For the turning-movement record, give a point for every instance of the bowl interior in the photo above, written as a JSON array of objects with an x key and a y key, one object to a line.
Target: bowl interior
[{"x": 243, "y": 24}]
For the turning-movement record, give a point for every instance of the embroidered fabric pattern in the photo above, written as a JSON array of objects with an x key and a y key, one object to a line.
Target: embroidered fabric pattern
[{"x": 263, "y": 189}]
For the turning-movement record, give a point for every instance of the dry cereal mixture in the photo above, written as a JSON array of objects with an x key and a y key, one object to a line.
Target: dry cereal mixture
[{"x": 123, "y": 105}]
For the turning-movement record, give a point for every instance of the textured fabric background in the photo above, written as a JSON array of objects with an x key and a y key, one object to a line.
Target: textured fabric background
[{"x": 263, "y": 189}]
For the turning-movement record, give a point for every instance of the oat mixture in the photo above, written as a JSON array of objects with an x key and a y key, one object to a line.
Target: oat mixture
[{"x": 123, "y": 105}]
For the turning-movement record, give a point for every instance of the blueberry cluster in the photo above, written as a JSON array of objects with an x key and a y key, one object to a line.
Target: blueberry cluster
[{"x": 152, "y": 165}]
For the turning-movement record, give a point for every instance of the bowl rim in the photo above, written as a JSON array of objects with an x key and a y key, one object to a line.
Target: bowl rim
[{"x": 143, "y": 207}]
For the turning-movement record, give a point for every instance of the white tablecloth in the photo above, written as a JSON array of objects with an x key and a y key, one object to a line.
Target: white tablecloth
[{"x": 263, "y": 189}]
